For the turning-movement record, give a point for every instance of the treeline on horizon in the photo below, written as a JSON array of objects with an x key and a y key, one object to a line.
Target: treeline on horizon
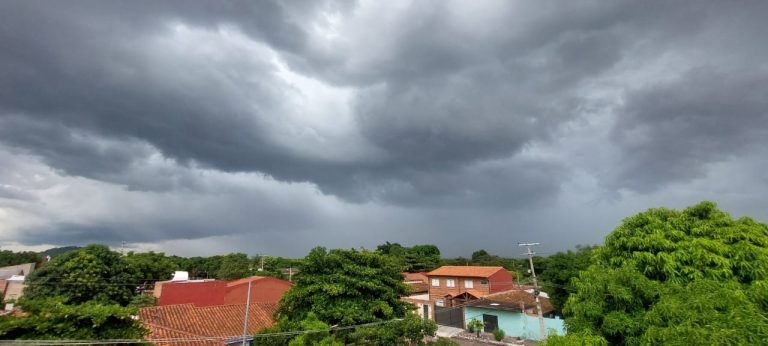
[{"x": 416, "y": 258}]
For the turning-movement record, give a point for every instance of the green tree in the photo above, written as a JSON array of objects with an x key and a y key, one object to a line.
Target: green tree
[
  {"x": 90, "y": 273},
  {"x": 9, "y": 258},
  {"x": 561, "y": 269},
  {"x": 653, "y": 278},
  {"x": 480, "y": 255},
  {"x": 351, "y": 287},
  {"x": 54, "y": 319},
  {"x": 234, "y": 266},
  {"x": 149, "y": 267}
]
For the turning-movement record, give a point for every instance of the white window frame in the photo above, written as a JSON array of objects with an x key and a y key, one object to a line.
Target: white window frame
[
  {"x": 435, "y": 282},
  {"x": 469, "y": 283},
  {"x": 450, "y": 283},
  {"x": 440, "y": 302}
]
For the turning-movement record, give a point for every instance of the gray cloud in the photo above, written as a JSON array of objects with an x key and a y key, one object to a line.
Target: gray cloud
[{"x": 419, "y": 106}]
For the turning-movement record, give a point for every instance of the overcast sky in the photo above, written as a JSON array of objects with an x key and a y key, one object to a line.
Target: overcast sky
[{"x": 200, "y": 127}]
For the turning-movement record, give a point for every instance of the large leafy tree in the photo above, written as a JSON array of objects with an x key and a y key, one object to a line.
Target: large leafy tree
[
  {"x": 348, "y": 288},
  {"x": 93, "y": 273},
  {"x": 656, "y": 280}
]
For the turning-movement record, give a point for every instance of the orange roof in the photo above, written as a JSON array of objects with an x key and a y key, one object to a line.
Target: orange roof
[
  {"x": 415, "y": 276},
  {"x": 465, "y": 271},
  {"x": 207, "y": 324},
  {"x": 251, "y": 278}
]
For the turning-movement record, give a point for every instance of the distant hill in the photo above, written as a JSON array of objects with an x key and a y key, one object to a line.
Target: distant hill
[{"x": 59, "y": 251}]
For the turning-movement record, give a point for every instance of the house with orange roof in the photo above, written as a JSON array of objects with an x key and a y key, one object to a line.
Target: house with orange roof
[
  {"x": 190, "y": 325},
  {"x": 451, "y": 287}
]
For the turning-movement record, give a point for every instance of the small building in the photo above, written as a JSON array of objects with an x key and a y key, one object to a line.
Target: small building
[
  {"x": 451, "y": 287},
  {"x": 190, "y": 325},
  {"x": 211, "y": 292},
  {"x": 12, "y": 280},
  {"x": 514, "y": 312},
  {"x": 454, "y": 285}
]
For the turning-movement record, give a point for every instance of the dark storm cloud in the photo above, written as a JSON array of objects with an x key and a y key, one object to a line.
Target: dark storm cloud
[
  {"x": 669, "y": 132},
  {"x": 97, "y": 71},
  {"x": 452, "y": 104}
]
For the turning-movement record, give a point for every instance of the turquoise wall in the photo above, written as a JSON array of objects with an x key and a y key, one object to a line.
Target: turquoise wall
[{"x": 515, "y": 323}]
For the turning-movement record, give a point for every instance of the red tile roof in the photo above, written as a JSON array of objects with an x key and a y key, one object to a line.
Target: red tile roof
[
  {"x": 210, "y": 324},
  {"x": 245, "y": 280},
  {"x": 415, "y": 276},
  {"x": 465, "y": 271}
]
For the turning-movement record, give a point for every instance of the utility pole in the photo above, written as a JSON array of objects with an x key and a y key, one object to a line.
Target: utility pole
[
  {"x": 247, "y": 309},
  {"x": 535, "y": 287}
]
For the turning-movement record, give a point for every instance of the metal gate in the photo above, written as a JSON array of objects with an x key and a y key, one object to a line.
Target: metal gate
[{"x": 447, "y": 316}]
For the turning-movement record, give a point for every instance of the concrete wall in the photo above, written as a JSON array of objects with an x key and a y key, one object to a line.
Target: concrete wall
[
  {"x": 515, "y": 323},
  {"x": 14, "y": 290}
]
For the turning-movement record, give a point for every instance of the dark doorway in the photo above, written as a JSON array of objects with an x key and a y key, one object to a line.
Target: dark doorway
[
  {"x": 426, "y": 311},
  {"x": 491, "y": 323}
]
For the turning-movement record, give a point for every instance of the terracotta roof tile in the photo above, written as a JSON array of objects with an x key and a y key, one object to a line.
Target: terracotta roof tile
[
  {"x": 465, "y": 271},
  {"x": 415, "y": 276},
  {"x": 217, "y": 322}
]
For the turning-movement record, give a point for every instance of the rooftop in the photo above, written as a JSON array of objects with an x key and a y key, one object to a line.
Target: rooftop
[
  {"x": 211, "y": 325},
  {"x": 466, "y": 271}
]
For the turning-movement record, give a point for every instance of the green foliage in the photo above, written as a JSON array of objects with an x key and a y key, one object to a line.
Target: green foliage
[
  {"x": 561, "y": 268},
  {"x": 498, "y": 334},
  {"x": 10, "y": 258},
  {"x": 320, "y": 338},
  {"x": 54, "y": 319},
  {"x": 443, "y": 342},
  {"x": 91, "y": 273},
  {"x": 480, "y": 255},
  {"x": 149, "y": 267},
  {"x": 419, "y": 258},
  {"x": 410, "y": 330},
  {"x": 574, "y": 339},
  {"x": 346, "y": 287},
  {"x": 234, "y": 266},
  {"x": 475, "y": 326},
  {"x": 705, "y": 312},
  {"x": 653, "y": 280}
]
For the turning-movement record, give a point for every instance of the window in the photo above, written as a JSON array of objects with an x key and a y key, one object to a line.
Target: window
[
  {"x": 450, "y": 283},
  {"x": 483, "y": 282},
  {"x": 468, "y": 283},
  {"x": 435, "y": 282},
  {"x": 440, "y": 302}
]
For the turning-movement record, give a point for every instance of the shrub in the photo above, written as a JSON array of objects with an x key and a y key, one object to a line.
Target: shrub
[{"x": 498, "y": 334}]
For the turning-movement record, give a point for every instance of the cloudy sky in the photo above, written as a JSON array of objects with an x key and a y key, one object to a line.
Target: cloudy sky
[{"x": 199, "y": 127}]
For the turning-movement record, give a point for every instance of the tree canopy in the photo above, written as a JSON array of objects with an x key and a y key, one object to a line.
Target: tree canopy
[
  {"x": 91, "y": 273},
  {"x": 670, "y": 277},
  {"x": 349, "y": 288}
]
